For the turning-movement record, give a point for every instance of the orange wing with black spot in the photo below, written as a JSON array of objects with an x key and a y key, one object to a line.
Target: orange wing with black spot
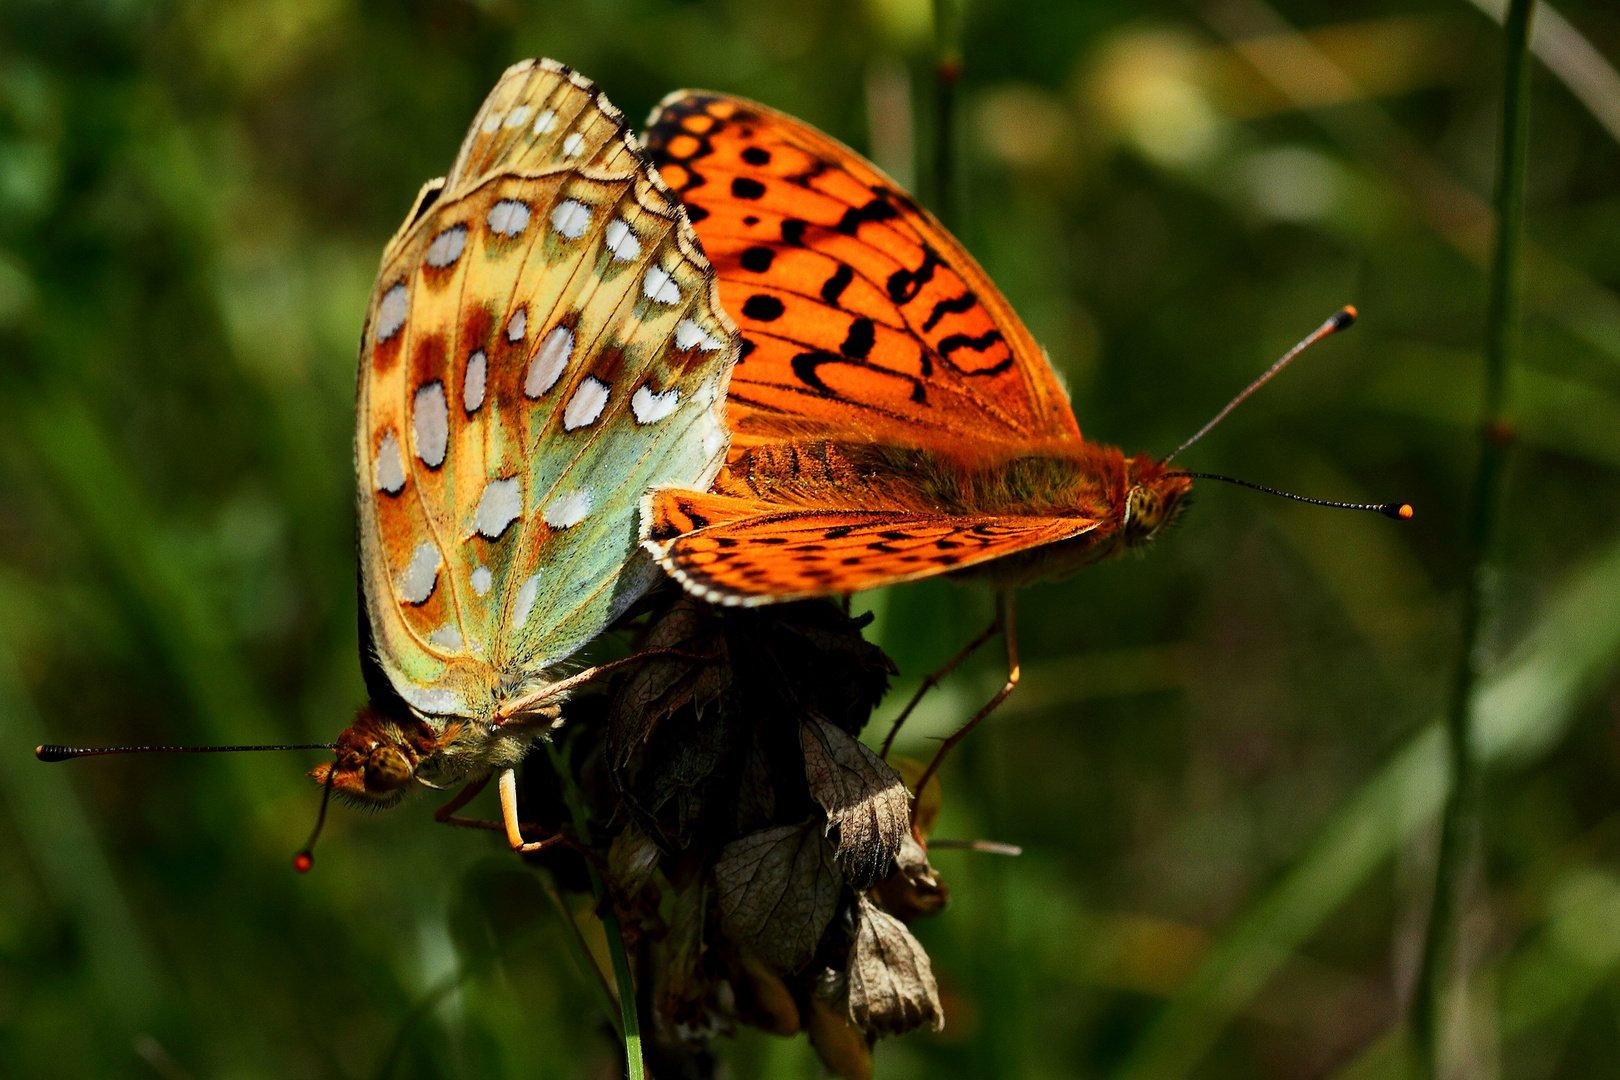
[
  {"x": 861, "y": 316},
  {"x": 729, "y": 550}
]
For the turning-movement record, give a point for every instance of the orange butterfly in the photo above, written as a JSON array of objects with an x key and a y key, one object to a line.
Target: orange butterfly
[{"x": 892, "y": 419}]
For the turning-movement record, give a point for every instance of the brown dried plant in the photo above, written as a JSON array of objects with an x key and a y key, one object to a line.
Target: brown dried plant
[{"x": 759, "y": 857}]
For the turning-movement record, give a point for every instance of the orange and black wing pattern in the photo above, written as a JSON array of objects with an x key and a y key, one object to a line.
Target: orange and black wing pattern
[
  {"x": 861, "y": 316},
  {"x": 737, "y": 551}
]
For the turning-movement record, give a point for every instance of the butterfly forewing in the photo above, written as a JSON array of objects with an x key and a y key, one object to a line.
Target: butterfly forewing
[
  {"x": 858, "y": 310},
  {"x": 543, "y": 345}
]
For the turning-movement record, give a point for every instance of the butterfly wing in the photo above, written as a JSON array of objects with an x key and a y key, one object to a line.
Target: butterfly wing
[
  {"x": 730, "y": 550},
  {"x": 544, "y": 343},
  {"x": 860, "y": 313}
]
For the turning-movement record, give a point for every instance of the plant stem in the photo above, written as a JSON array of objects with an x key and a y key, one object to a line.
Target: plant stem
[
  {"x": 1459, "y": 829},
  {"x": 948, "y": 16},
  {"x": 624, "y": 984},
  {"x": 588, "y": 968}
]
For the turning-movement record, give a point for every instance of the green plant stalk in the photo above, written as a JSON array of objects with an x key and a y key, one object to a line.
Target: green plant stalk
[
  {"x": 583, "y": 959},
  {"x": 631, "y": 1022},
  {"x": 1459, "y": 828},
  {"x": 948, "y": 15}
]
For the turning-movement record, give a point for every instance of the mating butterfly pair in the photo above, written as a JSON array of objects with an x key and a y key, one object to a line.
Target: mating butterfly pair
[{"x": 550, "y": 373}]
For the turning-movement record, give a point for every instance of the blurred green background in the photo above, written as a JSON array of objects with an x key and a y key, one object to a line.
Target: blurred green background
[{"x": 1223, "y": 765}]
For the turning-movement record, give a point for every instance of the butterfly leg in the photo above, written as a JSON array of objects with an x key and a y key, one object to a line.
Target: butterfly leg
[
  {"x": 937, "y": 677},
  {"x": 509, "y": 815},
  {"x": 445, "y": 815},
  {"x": 1005, "y": 615}
]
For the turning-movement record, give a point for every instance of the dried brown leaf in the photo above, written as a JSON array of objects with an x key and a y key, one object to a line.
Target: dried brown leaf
[
  {"x": 841, "y": 1045},
  {"x": 891, "y": 983},
  {"x": 778, "y": 889},
  {"x": 683, "y": 988},
  {"x": 915, "y": 889},
  {"x": 632, "y": 858},
  {"x": 930, "y": 800},
  {"x": 865, "y": 800},
  {"x": 763, "y": 999},
  {"x": 662, "y": 685}
]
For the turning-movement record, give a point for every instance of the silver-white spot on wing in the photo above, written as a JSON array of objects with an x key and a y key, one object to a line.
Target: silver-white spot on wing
[
  {"x": 569, "y": 509},
  {"x": 430, "y": 422},
  {"x": 517, "y": 116},
  {"x": 431, "y": 701},
  {"x": 714, "y": 439},
  {"x": 570, "y": 219},
  {"x": 523, "y": 603},
  {"x": 545, "y": 122},
  {"x": 549, "y": 361},
  {"x": 416, "y": 583},
  {"x": 447, "y": 636},
  {"x": 447, "y": 247},
  {"x": 481, "y": 579},
  {"x": 472, "y": 383},
  {"x": 498, "y": 507},
  {"x": 390, "y": 467},
  {"x": 492, "y": 122},
  {"x": 689, "y": 334},
  {"x": 517, "y": 325},
  {"x": 586, "y": 404},
  {"x": 659, "y": 287},
  {"x": 622, "y": 242},
  {"x": 574, "y": 145},
  {"x": 650, "y": 407},
  {"x": 391, "y": 312},
  {"x": 508, "y": 217}
]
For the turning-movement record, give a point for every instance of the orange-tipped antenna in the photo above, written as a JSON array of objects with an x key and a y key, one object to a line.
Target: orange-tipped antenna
[
  {"x": 305, "y": 859},
  {"x": 1398, "y": 511},
  {"x": 52, "y": 752},
  {"x": 1341, "y": 320}
]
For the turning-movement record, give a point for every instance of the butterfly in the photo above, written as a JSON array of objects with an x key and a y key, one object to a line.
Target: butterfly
[
  {"x": 544, "y": 342},
  {"x": 891, "y": 417}
]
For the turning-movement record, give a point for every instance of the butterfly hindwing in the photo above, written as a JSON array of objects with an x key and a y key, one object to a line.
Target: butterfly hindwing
[
  {"x": 543, "y": 344},
  {"x": 859, "y": 312},
  {"x": 733, "y": 550}
]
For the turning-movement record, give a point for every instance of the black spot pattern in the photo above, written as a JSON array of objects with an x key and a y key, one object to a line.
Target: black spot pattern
[
  {"x": 858, "y": 343},
  {"x": 793, "y": 231},
  {"x": 758, "y": 259},
  {"x": 962, "y": 341},
  {"x": 854, "y": 217},
  {"x": 755, "y": 155},
  {"x": 746, "y": 187},
  {"x": 762, "y": 308},
  {"x": 949, "y": 307},
  {"x": 834, "y": 287}
]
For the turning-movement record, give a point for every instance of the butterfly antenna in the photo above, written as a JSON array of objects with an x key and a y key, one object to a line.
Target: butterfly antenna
[
  {"x": 1398, "y": 511},
  {"x": 52, "y": 752},
  {"x": 1341, "y": 320},
  {"x": 305, "y": 859}
]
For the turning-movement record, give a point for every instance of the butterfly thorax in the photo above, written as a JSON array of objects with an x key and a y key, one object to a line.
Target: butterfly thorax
[{"x": 1080, "y": 479}]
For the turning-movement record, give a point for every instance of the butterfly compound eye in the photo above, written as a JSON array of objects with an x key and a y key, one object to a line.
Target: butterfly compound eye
[{"x": 386, "y": 769}]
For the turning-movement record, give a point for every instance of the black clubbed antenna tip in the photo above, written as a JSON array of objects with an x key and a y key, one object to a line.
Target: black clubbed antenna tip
[
  {"x": 1398, "y": 511},
  {"x": 1344, "y": 318}
]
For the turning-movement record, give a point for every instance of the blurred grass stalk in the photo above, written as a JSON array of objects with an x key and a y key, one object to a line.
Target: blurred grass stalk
[
  {"x": 1460, "y": 824},
  {"x": 948, "y": 18},
  {"x": 629, "y": 1026}
]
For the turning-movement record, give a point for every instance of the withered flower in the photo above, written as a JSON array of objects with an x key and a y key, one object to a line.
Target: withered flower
[{"x": 759, "y": 856}]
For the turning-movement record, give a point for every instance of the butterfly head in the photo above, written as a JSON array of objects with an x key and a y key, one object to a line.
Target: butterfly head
[
  {"x": 1153, "y": 499},
  {"x": 377, "y": 758}
]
